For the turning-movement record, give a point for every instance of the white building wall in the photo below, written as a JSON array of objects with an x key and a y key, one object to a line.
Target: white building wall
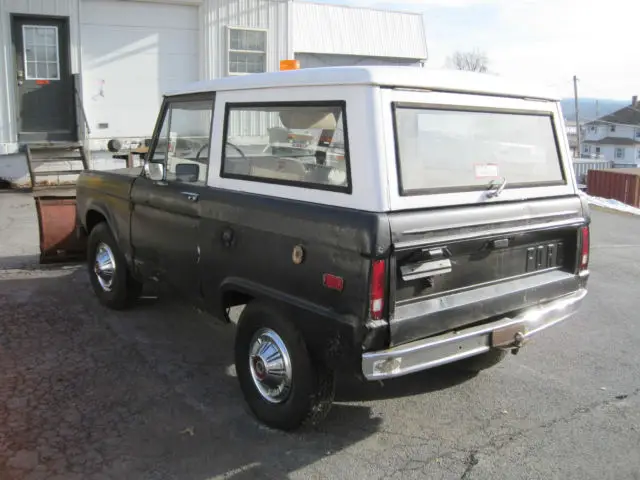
[
  {"x": 62, "y": 8},
  {"x": 216, "y": 18},
  {"x": 606, "y": 151},
  {"x": 603, "y": 131},
  {"x": 123, "y": 78},
  {"x": 631, "y": 154},
  {"x": 341, "y": 30},
  {"x": 132, "y": 53},
  {"x": 218, "y": 15}
]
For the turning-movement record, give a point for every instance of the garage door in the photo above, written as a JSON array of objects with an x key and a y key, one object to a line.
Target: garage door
[
  {"x": 133, "y": 52},
  {"x": 314, "y": 60}
]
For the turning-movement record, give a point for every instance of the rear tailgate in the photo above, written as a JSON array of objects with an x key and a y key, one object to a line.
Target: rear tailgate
[{"x": 455, "y": 267}]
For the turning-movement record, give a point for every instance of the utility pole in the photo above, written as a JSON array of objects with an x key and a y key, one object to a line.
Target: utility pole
[{"x": 575, "y": 95}]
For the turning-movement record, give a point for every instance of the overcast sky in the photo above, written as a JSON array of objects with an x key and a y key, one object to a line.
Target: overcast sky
[{"x": 547, "y": 41}]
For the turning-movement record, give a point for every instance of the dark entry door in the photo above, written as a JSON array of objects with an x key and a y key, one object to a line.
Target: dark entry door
[{"x": 45, "y": 95}]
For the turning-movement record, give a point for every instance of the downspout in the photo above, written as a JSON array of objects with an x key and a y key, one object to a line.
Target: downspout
[
  {"x": 290, "y": 26},
  {"x": 85, "y": 130}
]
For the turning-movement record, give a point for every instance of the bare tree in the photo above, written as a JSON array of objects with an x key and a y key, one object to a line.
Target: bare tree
[{"x": 473, "y": 61}]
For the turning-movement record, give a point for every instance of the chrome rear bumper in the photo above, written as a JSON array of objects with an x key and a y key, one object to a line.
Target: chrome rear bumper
[{"x": 452, "y": 346}]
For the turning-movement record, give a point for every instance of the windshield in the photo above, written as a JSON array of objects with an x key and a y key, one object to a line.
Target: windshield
[{"x": 455, "y": 150}]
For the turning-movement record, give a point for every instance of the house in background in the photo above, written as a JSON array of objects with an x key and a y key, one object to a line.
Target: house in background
[
  {"x": 572, "y": 136},
  {"x": 615, "y": 137},
  {"x": 87, "y": 71}
]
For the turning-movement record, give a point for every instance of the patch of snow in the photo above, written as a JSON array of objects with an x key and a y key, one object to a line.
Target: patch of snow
[{"x": 611, "y": 204}]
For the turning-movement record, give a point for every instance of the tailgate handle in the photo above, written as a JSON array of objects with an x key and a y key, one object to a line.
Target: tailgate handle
[
  {"x": 500, "y": 243},
  {"x": 425, "y": 269}
]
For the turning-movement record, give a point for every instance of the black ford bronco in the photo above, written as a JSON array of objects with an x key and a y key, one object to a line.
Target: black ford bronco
[{"x": 380, "y": 221}]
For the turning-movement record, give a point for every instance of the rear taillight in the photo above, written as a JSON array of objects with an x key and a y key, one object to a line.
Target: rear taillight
[
  {"x": 584, "y": 248},
  {"x": 378, "y": 273}
]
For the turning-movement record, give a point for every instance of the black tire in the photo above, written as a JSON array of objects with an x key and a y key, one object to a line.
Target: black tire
[
  {"x": 313, "y": 384},
  {"x": 124, "y": 289},
  {"x": 114, "y": 145},
  {"x": 482, "y": 362}
]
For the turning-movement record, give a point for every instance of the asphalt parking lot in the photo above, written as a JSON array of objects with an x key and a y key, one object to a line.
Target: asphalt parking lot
[{"x": 86, "y": 393}]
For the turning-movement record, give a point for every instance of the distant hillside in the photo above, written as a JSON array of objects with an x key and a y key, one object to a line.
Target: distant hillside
[{"x": 588, "y": 108}]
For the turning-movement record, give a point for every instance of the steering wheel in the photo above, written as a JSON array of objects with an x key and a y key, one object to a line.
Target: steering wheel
[
  {"x": 244, "y": 157},
  {"x": 200, "y": 150}
]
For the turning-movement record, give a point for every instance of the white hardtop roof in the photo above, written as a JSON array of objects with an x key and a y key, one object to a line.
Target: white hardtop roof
[{"x": 383, "y": 76}]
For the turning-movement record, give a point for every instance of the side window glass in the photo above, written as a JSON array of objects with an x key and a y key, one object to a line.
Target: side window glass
[
  {"x": 183, "y": 142},
  {"x": 291, "y": 144},
  {"x": 189, "y": 136}
]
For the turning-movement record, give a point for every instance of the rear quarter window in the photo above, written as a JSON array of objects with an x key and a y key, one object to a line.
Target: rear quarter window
[
  {"x": 443, "y": 150},
  {"x": 299, "y": 144}
]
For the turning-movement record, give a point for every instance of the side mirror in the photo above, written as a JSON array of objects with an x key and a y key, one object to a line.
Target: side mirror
[{"x": 154, "y": 171}]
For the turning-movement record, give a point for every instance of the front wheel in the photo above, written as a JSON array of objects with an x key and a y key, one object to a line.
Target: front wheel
[
  {"x": 110, "y": 278},
  {"x": 283, "y": 385}
]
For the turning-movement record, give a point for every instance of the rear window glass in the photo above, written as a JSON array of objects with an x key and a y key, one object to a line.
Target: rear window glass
[
  {"x": 295, "y": 144},
  {"x": 454, "y": 150}
]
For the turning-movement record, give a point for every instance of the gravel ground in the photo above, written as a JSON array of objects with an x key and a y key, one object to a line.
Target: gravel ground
[{"x": 86, "y": 393}]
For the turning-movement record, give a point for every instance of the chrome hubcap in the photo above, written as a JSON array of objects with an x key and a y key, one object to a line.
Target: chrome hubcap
[
  {"x": 104, "y": 266},
  {"x": 270, "y": 366}
]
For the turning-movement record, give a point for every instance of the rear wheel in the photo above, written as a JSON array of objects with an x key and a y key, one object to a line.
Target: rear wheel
[
  {"x": 481, "y": 362},
  {"x": 283, "y": 385},
  {"x": 110, "y": 277}
]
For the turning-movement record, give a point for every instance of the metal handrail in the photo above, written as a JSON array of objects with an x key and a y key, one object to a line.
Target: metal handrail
[{"x": 84, "y": 113}]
